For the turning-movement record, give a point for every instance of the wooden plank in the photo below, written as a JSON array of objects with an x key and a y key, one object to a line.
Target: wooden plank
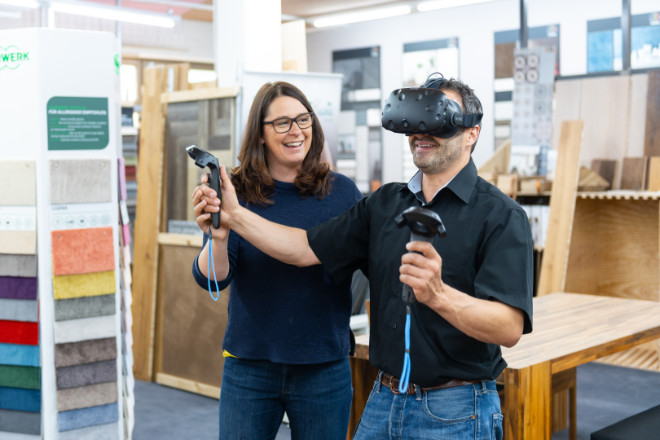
[
  {"x": 637, "y": 114},
  {"x": 147, "y": 221},
  {"x": 200, "y": 94},
  {"x": 562, "y": 206},
  {"x": 633, "y": 174},
  {"x": 567, "y": 105},
  {"x": 191, "y": 326},
  {"x": 527, "y": 402},
  {"x": 653, "y": 178},
  {"x": 605, "y": 123},
  {"x": 652, "y": 131},
  {"x": 605, "y": 168},
  {"x": 499, "y": 161},
  {"x": 188, "y": 385}
]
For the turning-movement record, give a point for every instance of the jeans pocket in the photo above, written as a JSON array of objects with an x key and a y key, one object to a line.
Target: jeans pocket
[
  {"x": 452, "y": 405},
  {"x": 497, "y": 433}
]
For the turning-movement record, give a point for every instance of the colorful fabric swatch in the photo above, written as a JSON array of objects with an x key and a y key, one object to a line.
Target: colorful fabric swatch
[
  {"x": 16, "y": 354},
  {"x": 82, "y": 418},
  {"x": 89, "y": 284},
  {"x": 20, "y": 422},
  {"x": 78, "y": 251},
  {"x": 86, "y": 374},
  {"x": 15, "y": 265},
  {"x": 19, "y": 399},
  {"x": 18, "y": 242},
  {"x": 19, "y": 310},
  {"x": 18, "y": 288},
  {"x": 17, "y": 332},
  {"x": 85, "y": 352},
  {"x": 20, "y": 377},
  {"x": 84, "y": 307},
  {"x": 76, "y": 330},
  {"x": 18, "y": 183},
  {"x": 87, "y": 396},
  {"x": 68, "y": 177},
  {"x": 108, "y": 431}
]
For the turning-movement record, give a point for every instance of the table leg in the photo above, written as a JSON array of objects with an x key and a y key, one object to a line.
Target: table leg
[{"x": 527, "y": 407}]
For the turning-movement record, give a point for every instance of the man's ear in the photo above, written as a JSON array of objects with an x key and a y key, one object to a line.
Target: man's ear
[{"x": 473, "y": 134}]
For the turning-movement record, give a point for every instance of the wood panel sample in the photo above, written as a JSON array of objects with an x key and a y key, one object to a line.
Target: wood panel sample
[
  {"x": 605, "y": 168},
  {"x": 78, "y": 251},
  {"x": 562, "y": 206},
  {"x": 633, "y": 173},
  {"x": 80, "y": 181},
  {"x": 652, "y": 131},
  {"x": 567, "y": 106},
  {"x": 653, "y": 176},
  {"x": 18, "y": 183},
  {"x": 637, "y": 114}
]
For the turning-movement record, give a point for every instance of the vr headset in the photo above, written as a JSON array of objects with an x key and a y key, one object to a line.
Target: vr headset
[{"x": 425, "y": 110}]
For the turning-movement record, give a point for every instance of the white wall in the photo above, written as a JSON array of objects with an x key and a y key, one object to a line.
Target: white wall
[{"x": 475, "y": 27}]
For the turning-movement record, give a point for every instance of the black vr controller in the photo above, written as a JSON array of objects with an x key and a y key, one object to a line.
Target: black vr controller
[
  {"x": 205, "y": 159},
  {"x": 424, "y": 224},
  {"x": 425, "y": 110}
]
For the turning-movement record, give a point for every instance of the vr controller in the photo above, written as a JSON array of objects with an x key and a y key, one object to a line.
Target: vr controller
[
  {"x": 425, "y": 110},
  {"x": 204, "y": 159}
]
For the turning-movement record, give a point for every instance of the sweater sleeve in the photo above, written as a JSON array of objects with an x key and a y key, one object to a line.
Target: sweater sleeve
[{"x": 203, "y": 281}]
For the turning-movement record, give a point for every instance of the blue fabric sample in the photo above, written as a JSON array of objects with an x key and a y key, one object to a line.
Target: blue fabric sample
[
  {"x": 18, "y": 354},
  {"x": 108, "y": 431},
  {"x": 20, "y": 422},
  {"x": 19, "y": 399},
  {"x": 81, "y": 418}
]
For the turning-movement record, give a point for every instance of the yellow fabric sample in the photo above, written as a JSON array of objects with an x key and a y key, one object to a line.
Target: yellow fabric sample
[{"x": 90, "y": 284}]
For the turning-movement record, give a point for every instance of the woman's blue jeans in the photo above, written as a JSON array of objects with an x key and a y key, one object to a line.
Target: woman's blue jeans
[
  {"x": 465, "y": 412},
  {"x": 255, "y": 395}
]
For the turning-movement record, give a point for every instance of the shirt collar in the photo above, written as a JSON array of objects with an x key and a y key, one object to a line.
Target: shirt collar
[{"x": 461, "y": 184}]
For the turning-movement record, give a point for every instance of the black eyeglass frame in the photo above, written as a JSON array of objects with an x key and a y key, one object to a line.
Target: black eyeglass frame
[{"x": 291, "y": 121}]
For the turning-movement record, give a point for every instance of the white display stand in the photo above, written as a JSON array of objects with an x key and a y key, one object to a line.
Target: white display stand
[{"x": 60, "y": 109}]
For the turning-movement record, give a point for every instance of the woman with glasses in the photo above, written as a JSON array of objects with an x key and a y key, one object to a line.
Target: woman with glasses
[{"x": 287, "y": 340}]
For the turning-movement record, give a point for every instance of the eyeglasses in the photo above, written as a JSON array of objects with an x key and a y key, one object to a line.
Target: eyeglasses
[{"x": 283, "y": 125}]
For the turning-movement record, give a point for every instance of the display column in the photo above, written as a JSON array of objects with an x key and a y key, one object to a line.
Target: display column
[{"x": 59, "y": 113}]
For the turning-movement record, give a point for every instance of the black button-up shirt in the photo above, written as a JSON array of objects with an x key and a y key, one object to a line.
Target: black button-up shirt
[{"x": 487, "y": 253}]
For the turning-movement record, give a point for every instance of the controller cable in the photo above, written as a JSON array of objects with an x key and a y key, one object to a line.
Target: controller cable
[{"x": 211, "y": 264}]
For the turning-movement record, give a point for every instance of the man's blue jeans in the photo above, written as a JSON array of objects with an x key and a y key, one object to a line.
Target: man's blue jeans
[
  {"x": 255, "y": 394},
  {"x": 459, "y": 413}
]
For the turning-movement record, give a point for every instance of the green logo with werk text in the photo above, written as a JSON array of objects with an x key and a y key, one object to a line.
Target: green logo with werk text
[{"x": 11, "y": 57}]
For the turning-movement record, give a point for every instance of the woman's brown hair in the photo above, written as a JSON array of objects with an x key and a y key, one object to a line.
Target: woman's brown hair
[{"x": 251, "y": 178}]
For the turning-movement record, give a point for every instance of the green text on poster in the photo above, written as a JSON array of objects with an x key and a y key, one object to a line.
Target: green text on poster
[{"x": 77, "y": 123}]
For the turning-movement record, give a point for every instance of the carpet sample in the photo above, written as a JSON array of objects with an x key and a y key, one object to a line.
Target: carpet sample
[
  {"x": 18, "y": 288},
  {"x": 108, "y": 431},
  {"x": 17, "y": 332},
  {"x": 76, "y": 330},
  {"x": 85, "y": 307},
  {"x": 67, "y": 177},
  {"x": 85, "y": 352},
  {"x": 87, "y": 396},
  {"x": 17, "y": 354},
  {"x": 82, "y": 418},
  {"x": 19, "y": 309},
  {"x": 15, "y": 265},
  {"x": 89, "y": 284},
  {"x": 19, "y": 399},
  {"x": 86, "y": 374},
  {"x": 77, "y": 251},
  {"x": 18, "y": 242},
  {"x": 20, "y": 377},
  {"x": 18, "y": 182},
  {"x": 20, "y": 422}
]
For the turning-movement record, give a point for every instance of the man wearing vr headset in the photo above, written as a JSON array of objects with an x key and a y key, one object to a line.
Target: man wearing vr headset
[{"x": 473, "y": 287}]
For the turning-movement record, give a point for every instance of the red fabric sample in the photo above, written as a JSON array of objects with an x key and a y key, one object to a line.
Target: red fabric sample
[
  {"x": 19, "y": 332},
  {"x": 79, "y": 251}
]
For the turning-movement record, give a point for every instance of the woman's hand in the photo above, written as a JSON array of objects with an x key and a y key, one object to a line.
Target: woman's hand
[{"x": 205, "y": 202}]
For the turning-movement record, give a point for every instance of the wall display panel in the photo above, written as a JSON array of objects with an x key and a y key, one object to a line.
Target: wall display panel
[
  {"x": 360, "y": 150},
  {"x": 605, "y": 48},
  {"x": 506, "y": 43}
]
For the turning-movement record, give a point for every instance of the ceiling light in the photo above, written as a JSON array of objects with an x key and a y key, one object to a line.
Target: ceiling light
[
  {"x": 442, "y": 4},
  {"x": 364, "y": 15},
  {"x": 28, "y": 4},
  {"x": 114, "y": 13}
]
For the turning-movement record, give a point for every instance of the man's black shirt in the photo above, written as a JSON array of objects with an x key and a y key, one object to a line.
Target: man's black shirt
[{"x": 487, "y": 253}]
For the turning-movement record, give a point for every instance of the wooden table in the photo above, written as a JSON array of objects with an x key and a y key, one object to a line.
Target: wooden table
[{"x": 569, "y": 330}]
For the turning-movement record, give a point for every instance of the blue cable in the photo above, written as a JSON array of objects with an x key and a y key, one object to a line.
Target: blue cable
[
  {"x": 405, "y": 374},
  {"x": 215, "y": 278}
]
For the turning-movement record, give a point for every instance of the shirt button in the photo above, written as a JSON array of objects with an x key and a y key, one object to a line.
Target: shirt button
[{"x": 393, "y": 325}]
